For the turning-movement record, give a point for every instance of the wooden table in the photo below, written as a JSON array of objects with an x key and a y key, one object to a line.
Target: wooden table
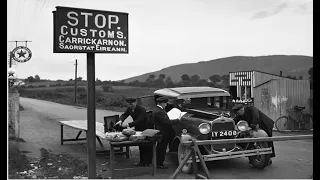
[
  {"x": 132, "y": 143},
  {"x": 81, "y": 125}
]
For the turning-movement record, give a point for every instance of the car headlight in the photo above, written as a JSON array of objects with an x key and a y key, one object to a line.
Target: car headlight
[
  {"x": 204, "y": 128},
  {"x": 242, "y": 125}
]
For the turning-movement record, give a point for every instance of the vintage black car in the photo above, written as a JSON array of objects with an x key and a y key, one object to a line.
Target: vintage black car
[{"x": 208, "y": 117}]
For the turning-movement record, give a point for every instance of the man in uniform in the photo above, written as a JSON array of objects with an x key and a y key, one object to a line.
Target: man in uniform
[
  {"x": 141, "y": 123},
  {"x": 255, "y": 117},
  {"x": 164, "y": 125}
]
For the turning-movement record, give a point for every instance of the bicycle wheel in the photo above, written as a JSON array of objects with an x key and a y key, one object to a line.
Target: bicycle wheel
[
  {"x": 283, "y": 124},
  {"x": 306, "y": 121}
]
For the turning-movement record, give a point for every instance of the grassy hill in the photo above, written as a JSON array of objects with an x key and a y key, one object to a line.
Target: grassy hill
[{"x": 292, "y": 65}]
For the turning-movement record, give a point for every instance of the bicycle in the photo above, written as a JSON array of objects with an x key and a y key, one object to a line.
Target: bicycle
[{"x": 286, "y": 124}]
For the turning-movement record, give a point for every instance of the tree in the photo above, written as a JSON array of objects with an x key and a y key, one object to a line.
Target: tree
[
  {"x": 150, "y": 79},
  {"x": 162, "y": 76},
  {"x": 292, "y": 77},
  {"x": 225, "y": 78},
  {"x": 202, "y": 82},
  {"x": 169, "y": 82},
  {"x": 215, "y": 78},
  {"x": 37, "y": 78},
  {"x": 136, "y": 83},
  {"x": 310, "y": 72},
  {"x": 98, "y": 81},
  {"x": 185, "y": 77},
  {"x": 79, "y": 79},
  {"x": 30, "y": 79},
  {"x": 194, "y": 79},
  {"x": 160, "y": 81},
  {"x": 300, "y": 77},
  {"x": 185, "y": 83}
]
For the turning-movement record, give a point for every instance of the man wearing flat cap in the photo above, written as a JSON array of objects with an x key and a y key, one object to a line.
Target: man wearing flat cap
[
  {"x": 164, "y": 125},
  {"x": 255, "y": 117},
  {"x": 141, "y": 123}
]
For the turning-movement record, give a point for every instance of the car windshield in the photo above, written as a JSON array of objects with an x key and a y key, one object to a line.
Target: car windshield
[{"x": 220, "y": 102}]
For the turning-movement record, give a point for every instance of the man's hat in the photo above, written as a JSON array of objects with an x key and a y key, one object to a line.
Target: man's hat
[
  {"x": 237, "y": 107},
  {"x": 162, "y": 99},
  {"x": 131, "y": 99}
]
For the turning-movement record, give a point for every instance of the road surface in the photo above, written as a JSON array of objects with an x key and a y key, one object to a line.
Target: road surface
[{"x": 40, "y": 128}]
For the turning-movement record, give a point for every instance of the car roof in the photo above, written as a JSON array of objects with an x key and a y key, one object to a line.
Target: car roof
[{"x": 191, "y": 92}]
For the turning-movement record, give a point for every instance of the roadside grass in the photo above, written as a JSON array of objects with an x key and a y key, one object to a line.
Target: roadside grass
[
  {"x": 20, "y": 107},
  {"x": 49, "y": 166},
  {"x": 51, "y": 83},
  {"x": 62, "y": 166},
  {"x": 112, "y": 99},
  {"x": 18, "y": 162}
]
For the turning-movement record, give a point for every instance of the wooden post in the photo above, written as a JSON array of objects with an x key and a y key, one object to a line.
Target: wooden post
[
  {"x": 75, "y": 83},
  {"x": 194, "y": 163},
  {"x": 195, "y": 151},
  {"x": 91, "y": 116},
  {"x": 10, "y": 60},
  {"x": 127, "y": 151},
  {"x": 154, "y": 157},
  {"x": 61, "y": 135},
  {"x": 202, "y": 162},
  {"x": 111, "y": 161},
  {"x": 181, "y": 165}
]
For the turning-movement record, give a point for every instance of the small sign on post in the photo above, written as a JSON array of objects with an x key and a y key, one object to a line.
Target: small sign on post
[{"x": 90, "y": 31}]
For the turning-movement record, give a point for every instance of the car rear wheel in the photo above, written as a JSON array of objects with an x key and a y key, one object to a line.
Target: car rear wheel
[
  {"x": 182, "y": 153},
  {"x": 260, "y": 161}
]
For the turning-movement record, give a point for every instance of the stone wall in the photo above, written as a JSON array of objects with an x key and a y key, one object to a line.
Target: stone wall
[{"x": 14, "y": 115}]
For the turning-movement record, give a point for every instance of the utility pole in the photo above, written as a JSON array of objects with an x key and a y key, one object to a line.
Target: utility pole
[
  {"x": 75, "y": 83},
  {"x": 10, "y": 59}
]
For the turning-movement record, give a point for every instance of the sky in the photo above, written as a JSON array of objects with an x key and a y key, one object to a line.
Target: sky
[{"x": 164, "y": 33}]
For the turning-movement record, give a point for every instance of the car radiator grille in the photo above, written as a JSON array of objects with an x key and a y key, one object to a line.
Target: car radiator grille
[{"x": 222, "y": 126}]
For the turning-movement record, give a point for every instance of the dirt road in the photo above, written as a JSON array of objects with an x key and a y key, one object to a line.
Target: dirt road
[{"x": 40, "y": 129}]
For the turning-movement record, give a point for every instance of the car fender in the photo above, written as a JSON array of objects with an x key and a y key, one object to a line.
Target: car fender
[
  {"x": 175, "y": 143},
  {"x": 259, "y": 133}
]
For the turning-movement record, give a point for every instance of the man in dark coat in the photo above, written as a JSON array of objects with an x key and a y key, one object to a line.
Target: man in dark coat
[
  {"x": 164, "y": 125},
  {"x": 255, "y": 117},
  {"x": 140, "y": 122}
]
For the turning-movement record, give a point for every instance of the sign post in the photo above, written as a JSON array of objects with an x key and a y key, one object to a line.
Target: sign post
[
  {"x": 91, "y": 116},
  {"x": 90, "y": 31}
]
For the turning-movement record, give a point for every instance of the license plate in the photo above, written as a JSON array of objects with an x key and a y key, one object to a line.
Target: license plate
[{"x": 224, "y": 133}]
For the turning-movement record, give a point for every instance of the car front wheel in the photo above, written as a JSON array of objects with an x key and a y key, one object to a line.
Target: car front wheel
[
  {"x": 260, "y": 161},
  {"x": 182, "y": 153}
]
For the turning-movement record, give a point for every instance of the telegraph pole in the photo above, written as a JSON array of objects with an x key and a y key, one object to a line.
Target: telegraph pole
[
  {"x": 10, "y": 59},
  {"x": 75, "y": 83}
]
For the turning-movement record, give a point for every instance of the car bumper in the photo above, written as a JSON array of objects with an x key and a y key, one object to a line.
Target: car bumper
[{"x": 235, "y": 154}]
